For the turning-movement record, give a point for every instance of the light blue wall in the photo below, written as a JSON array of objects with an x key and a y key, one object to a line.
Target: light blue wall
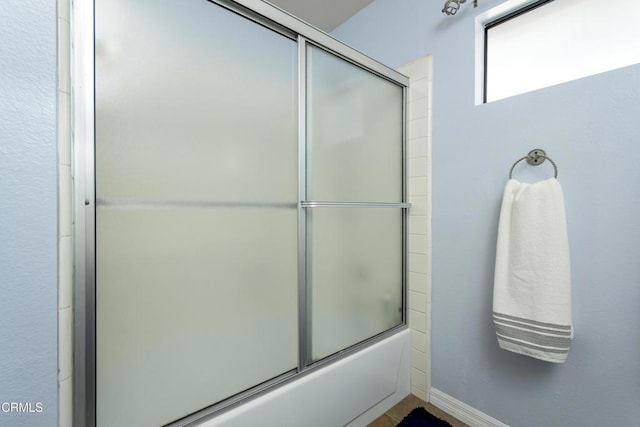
[
  {"x": 591, "y": 128},
  {"x": 28, "y": 210}
]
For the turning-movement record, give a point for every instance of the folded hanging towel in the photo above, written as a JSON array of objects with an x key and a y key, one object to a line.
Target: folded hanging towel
[{"x": 532, "y": 288}]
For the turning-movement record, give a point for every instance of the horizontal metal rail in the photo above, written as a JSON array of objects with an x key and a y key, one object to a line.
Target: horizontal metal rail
[
  {"x": 334, "y": 204},
  {"x": 172, "y": 204}
]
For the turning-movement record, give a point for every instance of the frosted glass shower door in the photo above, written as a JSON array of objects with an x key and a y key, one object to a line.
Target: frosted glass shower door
[
  {"x": 196, "y": 208},
  {"x": 355, "y": 192}
]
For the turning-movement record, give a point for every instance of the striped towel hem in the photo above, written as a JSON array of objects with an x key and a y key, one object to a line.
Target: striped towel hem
[{"x": 546, "y": 341}]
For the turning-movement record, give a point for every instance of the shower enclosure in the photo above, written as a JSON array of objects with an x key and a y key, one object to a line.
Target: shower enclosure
[{"x": 244, "y": 207}]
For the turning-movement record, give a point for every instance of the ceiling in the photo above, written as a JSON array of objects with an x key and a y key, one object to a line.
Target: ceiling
[{"x": 324, "y": 14}]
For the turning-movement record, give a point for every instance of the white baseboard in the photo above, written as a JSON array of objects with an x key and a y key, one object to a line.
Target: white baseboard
[{"x": 462, "y": 411}]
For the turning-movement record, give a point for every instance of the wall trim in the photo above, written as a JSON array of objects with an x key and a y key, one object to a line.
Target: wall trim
[
  {"x": 462, "y": 411},
  {"x": 418, "y": 156}
]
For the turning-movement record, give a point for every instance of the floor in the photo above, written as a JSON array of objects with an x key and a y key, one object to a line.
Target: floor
[{"x": 393, "y": 416}]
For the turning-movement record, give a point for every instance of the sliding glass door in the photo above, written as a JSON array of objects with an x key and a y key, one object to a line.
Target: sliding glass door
[
  {"x": 355, "y": 202},
  {"x": 196, "y": 208},
  {"x": 249, "y": 206}
]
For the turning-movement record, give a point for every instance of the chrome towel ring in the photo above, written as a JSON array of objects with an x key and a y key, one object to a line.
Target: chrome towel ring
[{"x": 534, "y": 158}]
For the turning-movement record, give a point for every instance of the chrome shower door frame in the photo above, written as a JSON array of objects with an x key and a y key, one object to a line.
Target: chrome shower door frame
[{"x": 83, "y": 82}]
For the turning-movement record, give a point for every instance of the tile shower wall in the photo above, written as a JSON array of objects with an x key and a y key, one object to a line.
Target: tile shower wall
[
  {"x": 65, "y": 220},
  {"x": 419, "y": 236}
]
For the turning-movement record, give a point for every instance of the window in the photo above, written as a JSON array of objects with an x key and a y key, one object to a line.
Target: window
[{"x": 550, "y": 42}]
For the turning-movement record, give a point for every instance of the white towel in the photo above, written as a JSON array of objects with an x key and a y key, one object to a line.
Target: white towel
[{"x": 532, "y": 288}]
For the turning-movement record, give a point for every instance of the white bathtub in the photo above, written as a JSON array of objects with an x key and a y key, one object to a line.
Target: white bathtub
[{"x": 351, "y": 392}]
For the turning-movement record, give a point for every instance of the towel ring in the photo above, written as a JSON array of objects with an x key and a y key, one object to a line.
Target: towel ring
[{"x": 534, "y": 158}]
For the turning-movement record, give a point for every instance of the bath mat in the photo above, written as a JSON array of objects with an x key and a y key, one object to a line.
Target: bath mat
[{"x": 419, "y": 417}]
